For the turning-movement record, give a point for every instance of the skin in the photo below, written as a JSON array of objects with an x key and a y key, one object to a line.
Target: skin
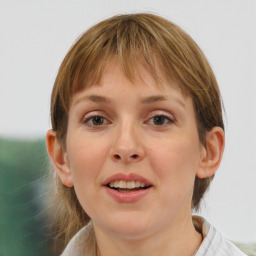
[{"x": 157, "y": 140}]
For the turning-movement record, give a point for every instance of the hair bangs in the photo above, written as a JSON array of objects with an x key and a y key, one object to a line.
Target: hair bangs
[{"x": 127, "y": 41}]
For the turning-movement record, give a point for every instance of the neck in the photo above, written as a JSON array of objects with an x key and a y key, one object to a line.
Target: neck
[{"x": 179, "y": 239}]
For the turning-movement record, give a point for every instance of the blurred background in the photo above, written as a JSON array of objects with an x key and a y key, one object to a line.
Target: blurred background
[{"x": 36, "y": 35}]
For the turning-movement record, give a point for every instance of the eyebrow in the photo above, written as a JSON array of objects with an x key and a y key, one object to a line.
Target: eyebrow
[
  {"x": 94, "y": 98},
  {"x": 145, "y": 100},
  {"x": 156, "y": 98},
  {"x": 152, "y": 99}
]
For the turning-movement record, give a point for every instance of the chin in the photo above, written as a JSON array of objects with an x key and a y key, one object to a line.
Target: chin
[{"x": 127, "y": 228}]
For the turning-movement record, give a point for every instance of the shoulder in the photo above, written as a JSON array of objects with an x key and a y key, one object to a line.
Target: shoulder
[
  {"x": 227, "y": 248},
  {"x": 77, "y": 245},
  {"x": 214, "y": 244}
]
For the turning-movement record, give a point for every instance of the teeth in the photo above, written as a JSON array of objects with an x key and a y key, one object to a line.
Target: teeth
[
  {"x": 128, "y": 184},
  {"x": 142, "y": 185},
  {"x": 116, "y": 184},
  {"x": 137, "y": 184},
  {"x": 122, "y": 184}
]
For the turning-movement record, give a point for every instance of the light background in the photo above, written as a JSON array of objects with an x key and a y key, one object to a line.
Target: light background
[{"x": 34, "y": 39}]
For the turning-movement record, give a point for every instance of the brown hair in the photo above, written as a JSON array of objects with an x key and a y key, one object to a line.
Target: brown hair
[{"x": 134, "y": 39}]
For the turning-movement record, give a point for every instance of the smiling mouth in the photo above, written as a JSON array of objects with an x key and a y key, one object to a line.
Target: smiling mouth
[{"x": 127, "y": 186}]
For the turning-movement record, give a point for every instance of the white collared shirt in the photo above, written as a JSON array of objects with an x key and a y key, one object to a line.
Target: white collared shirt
[{"x": 213, "y": 242}]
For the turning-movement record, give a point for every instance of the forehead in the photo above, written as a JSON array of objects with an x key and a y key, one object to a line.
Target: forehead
[
  {"x": 142, "y": 87},
  {"x": 114, "y": 69}
]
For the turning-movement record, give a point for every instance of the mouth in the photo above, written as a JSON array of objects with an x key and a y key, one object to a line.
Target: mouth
[{"x": 127, "y": 186}]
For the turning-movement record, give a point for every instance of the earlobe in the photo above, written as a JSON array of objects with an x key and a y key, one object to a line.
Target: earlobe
[
  {"x": 211, "y": 153},
  {"x": 59, "y": 159}
]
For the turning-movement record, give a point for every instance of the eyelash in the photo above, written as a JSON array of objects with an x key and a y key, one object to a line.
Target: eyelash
[
  {"x": 90, "y": 118},
  {"x": 166, "y": 118}
]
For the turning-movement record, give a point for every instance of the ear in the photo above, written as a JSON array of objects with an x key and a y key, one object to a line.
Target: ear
[
  {"x": 211, "y": 153},
  {"x": 59, "y": 159}
]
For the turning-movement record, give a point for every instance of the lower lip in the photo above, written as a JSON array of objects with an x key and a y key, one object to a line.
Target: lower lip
[{"x": 127, "y": 197}]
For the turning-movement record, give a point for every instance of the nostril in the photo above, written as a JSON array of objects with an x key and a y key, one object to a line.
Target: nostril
[{"x": 117, "y": 156}]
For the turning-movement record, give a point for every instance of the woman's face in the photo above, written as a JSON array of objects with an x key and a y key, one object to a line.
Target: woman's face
[{"x": 133, "y": 151}]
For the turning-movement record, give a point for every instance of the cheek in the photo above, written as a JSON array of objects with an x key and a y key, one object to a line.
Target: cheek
[
  {"x": 175, "y": 161},
  {"x": 86, "y": 157}
]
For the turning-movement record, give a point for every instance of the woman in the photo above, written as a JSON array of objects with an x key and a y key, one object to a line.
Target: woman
[{"x": 137, "y": 135}]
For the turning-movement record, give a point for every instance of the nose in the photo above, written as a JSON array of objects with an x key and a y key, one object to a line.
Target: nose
[{"x": 127, "y": 146}]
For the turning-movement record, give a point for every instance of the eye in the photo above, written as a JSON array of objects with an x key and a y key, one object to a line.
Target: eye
[
  {"x": 95, "y": 121},
  {"x": 160, "y": 120}
]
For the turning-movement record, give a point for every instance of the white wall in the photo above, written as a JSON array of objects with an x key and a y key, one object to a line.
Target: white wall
[{"x": 35, "y": 37}]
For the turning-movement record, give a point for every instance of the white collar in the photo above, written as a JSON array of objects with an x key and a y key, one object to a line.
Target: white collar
[{"x": 213, "y": 243}]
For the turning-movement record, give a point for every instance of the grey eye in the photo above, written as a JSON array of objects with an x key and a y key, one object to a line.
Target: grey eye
[
  {"x": 97, "y": 120},
  {"x": 161, "y": 120}
]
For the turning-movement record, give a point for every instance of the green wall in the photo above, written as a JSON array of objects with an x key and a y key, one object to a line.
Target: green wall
[{"x": 23, "y": 222}]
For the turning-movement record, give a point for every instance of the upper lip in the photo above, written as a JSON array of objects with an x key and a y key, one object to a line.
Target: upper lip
[{"x": 127, "y": 177}]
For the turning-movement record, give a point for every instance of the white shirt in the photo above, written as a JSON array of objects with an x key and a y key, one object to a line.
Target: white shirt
[{"x": 213, "y": 242}]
